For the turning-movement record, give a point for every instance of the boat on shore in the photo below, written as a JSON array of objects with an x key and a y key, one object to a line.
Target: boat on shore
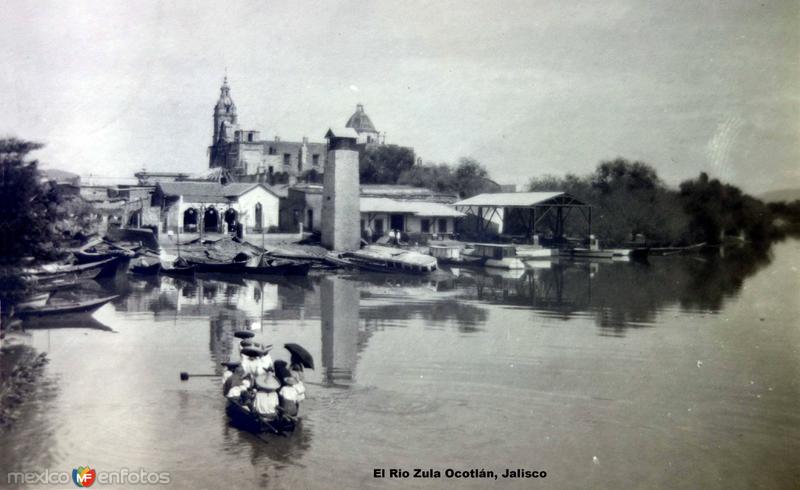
[
  {"x": 35, "y": 300},
  {"x": 76, "y": 307},
  {"x": 388, "y": 259},
  {"x": 499, "y": 255}
]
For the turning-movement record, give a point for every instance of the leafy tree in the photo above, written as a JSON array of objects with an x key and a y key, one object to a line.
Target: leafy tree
[
  {"x": 29, "y": 231},
  {"x": 383, "y": 164}
]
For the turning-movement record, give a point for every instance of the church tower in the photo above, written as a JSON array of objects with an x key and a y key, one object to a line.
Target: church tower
[{"x": 224, "y": 115}]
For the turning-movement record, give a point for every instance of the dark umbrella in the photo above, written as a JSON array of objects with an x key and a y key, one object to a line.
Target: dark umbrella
[
  {"x": 244, "y": 334},
  {"x": 302, "y": 354}
]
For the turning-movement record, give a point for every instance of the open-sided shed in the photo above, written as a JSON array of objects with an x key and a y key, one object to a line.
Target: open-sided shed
[{"x": 524, "y": 209}]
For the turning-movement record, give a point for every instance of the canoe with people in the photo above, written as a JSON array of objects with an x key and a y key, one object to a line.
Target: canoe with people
[{"x": 265, "y": 395}]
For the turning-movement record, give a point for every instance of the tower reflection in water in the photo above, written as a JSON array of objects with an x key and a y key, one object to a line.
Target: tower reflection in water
[{"x": 340, "y": 301}]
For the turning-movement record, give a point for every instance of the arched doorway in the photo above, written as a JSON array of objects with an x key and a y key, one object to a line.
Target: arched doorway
[
  {"x": 230, "y": 219},
  {"x": 190, "y": 220},
  {"x": 259, "y": 217},
  {"x": 211, "y": 220}
]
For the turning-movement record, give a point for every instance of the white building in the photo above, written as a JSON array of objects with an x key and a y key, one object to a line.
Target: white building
[{"x": 214, "y": 207}]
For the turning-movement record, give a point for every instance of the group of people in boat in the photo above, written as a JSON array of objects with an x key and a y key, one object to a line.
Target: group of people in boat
[{"x": 270, "y": 389}]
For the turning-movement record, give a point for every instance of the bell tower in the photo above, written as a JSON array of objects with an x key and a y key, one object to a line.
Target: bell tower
[{"x": 224, "y": 111}]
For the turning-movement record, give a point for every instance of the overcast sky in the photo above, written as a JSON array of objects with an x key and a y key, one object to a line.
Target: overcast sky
[{"x": 528, "y": 87}]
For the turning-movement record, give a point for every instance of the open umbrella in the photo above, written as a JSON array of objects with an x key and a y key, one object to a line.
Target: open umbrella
[
  {"x": 244, "y": 334},
  {"x": 301, "y": 354}
]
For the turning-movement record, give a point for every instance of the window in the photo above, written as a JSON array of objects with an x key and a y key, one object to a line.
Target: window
[
  {"x": 250, "y": 137},
  {"x": 271, "y": 169},
  {"x": 442, "y": 225},
  {"x": 425, "y": 225},
  {"x": 259, "y": 217},
  {"x": 315, "y": 159},
  {"x": 379, "y": 227},
  {"x": 272, "y": 151},
  {"x": 287, "y": 159}
]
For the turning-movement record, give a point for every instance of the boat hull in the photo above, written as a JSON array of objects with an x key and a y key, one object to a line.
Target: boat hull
[
  {"x": 252, "y": 422},
  {"x": 82, "y": 307}
]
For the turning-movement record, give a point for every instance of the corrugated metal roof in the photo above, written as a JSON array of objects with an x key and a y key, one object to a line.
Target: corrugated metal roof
[
  {"x": 512, "y": 199},
  {"x": 417, "y": 208}
]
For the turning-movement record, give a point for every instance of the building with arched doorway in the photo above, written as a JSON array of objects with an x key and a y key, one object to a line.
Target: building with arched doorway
[{"x": 211, "y": 207}]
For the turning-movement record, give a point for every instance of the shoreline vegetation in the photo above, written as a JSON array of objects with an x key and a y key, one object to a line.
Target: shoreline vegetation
[{"x": 21, "y": 368}]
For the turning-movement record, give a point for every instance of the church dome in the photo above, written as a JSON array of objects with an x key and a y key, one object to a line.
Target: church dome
[{"x": 360, "y": 121}]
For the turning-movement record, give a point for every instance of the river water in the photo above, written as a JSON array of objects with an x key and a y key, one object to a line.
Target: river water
[{"x": 683, "y": 372}]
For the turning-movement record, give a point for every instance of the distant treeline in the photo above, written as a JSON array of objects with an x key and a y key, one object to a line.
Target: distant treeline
[{"x": 629, "y": 200}]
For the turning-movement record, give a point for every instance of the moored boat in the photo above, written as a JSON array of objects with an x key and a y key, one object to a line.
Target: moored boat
[
  {"x": 35, "y": 300},
  {"x": 278, "y": 267},
  {"x": 499, "y": 255},
  {"x": 587, "y": 253},
  {"x": 451, "y": 255},
  {"x": 77, "y": 307},
  {"x": 88, "y": 257},
  {"x": 211, "y": 265},
  {"x": 145, "y": 268},
  {"x": 387, "y": 259},
  {"x": 104, "y": 268}
]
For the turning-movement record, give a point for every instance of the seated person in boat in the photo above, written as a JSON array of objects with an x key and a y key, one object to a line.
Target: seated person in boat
[
  {"x": 296, "y": 370},
  {"x": 288, "y": 394},
  {"x": 266, "y": 399}
]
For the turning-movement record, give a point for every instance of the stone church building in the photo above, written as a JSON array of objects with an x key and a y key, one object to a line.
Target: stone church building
[{"x": 249, "y": 158}]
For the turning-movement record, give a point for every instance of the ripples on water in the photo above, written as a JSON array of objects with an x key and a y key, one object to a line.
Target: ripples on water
[{"x": 650, "y": 367}]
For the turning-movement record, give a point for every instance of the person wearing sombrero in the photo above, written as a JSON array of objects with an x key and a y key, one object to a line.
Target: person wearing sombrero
[{"x": 266, "y": 399}]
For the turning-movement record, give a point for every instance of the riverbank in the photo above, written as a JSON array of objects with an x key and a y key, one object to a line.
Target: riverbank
[{"x": 20, "y": 369}]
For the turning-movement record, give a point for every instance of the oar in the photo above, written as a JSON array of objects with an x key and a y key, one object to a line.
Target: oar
[{"x": 185, "y": 376}]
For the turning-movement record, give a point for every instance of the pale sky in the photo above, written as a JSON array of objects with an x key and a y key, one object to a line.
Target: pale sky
[{"x": 526, "y": 87}]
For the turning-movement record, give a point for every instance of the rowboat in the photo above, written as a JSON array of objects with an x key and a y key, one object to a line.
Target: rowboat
[
  {"x": 145, "y": 269},
  {"x": 78, "y": 307},
  {"x": 86, "y": 257},
  {"x": 388, "y": 259},
  {"x": 211, "y": 265},
  {"x": 244, "y": 418},
  {"x": 104, "y": 268},
  {"x": 280, "y": 267},
  {"x": 587, "y": 253},
  {"x": 35, "y": 300}
]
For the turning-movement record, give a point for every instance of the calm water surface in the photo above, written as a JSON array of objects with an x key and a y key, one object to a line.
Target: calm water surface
[{"x": 683, "y": 372}]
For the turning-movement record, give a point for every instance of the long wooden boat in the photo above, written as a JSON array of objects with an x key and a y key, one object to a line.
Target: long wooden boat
[
  {"x": 78, "y": 307},
  {"x": 283, "y": 267},
  {"x": 179, "y": 270},
  {"x": 697, "y": 247},
  {"x": 211, "y": 265},
  {"x": 587, "y": 253},
  {"x": 251, "y": 421},
  {"x": 146, "y": 269},
  {"x": 633, "y": 253},
  {"x": 104, "y": 268},
  {"x": 35, "y": 300},
  {"x": 85, "y": 257},
  {"x": 388, "y": 259}
]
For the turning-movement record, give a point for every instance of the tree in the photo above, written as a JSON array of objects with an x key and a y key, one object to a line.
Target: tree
[
  {"x": 28, "y": 232},
  {"x": 383, "y": 164}
]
